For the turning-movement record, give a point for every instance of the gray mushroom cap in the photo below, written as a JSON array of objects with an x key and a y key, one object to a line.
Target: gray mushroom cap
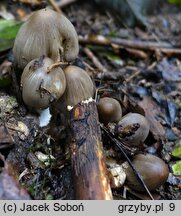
[
  {"x": 47, "y": 33},
  {"x": 79, "y": 86},
  {"x": 140, "y": 134},
  {"x": 109, "y": 110},
  {"x": 40, "y": 86}
]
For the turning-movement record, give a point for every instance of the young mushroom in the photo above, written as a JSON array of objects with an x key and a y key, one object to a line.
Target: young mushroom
[
  {"x": 79, "y": 86},
  {"x": 109, "y": 110},
  {"x": 47, "y": 33},
  {"x": 152, "y": 169},
  {"x": 86, "y": 151},
  {"x": 40, "y": 84},
  {"x": 133, "y": 129}
]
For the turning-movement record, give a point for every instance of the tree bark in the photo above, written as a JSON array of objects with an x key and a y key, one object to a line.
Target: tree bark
[{"x": 88, "y": 162}]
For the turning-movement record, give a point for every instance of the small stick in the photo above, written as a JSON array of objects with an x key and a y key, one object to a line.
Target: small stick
[
  {"x": 151, "y": 67},
  {"x": 32, "y": 2},
  {"x": 137, "y": 44},
  {"x": 133, "y": 76},
  {"x": 137, "y": 53},
  {"x": 137, "y": 72},
  {"x": 94, "y": 59},
  {"x": 55, "y": 6},
  {"x": 64, "y": 3},
  {"x": 88, "y": 66}
]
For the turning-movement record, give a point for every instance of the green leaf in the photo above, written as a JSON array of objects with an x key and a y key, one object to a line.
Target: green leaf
[
  {"x": 176, "y": 152},
  {"x": 176, "y": 2},
  {"x": 5, "y": 81},
  {"x": 112, "y": 57},
  {"x": 177, "y": 168},
  {"x": 8, "y": 31}
]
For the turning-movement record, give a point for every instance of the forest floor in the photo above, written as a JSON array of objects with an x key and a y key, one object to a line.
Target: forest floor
[{"x": 144, "y": 78}]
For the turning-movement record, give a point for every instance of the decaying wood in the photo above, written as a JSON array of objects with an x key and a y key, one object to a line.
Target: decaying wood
[{"x": 88, "y": 163}]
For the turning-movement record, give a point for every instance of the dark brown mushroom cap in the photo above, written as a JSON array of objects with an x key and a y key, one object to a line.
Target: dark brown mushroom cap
[
  {"x": 79, "y": 86},
  {"x": 47, "y": 33},
  {"x": 137, "y": 127},
  {"x": 40, "y": 86},
  {"x": 109, "y": 110},
  {"x": 153, "y": 170}
]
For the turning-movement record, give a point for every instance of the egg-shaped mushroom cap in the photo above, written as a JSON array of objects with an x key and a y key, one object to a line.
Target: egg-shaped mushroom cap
[
  {"x": 41, "y": 86},
  {"x": 137, "y": 127},
  {"x": 79, "y": 86},
  {"x": 109, "y": 110}
]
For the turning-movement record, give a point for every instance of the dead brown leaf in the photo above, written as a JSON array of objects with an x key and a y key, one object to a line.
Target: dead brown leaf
[
  {"x": 151, "y": 113},
  {"x": 9, "y": 186}
]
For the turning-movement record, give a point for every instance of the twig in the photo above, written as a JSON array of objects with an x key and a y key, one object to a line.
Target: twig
[
  {"x": 117, "y": 76},
  {"x": 31, "y": 2},
  {"x": 169, "y": 52},
  {"x": 95, "y": 40},
  {"x": 137, "y": 53},
  {"x": 95, "y": 60},
  {"x": 88, "y": 66},
  {"x": 117, "y": 143},
  {"x": 64, "y": 3},
  {"x": 137, "y": 44},
  {"x": 150, "y": 67},
  {"x": 133, "y": 76},
  {"x": 101, "y": 40},
  {"x": 55, "y": 6},
  {"x": 137, "y": 72}
]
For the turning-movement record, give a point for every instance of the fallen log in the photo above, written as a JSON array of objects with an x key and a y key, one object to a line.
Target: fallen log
[{"x": 86, "y": 149}]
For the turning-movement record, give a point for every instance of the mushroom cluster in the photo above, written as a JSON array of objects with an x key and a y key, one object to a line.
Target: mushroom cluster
[
  {"x": 44, "y": 42},
  {"x": 132, "y": 129},
  {"x": 48, "y": 40}
]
